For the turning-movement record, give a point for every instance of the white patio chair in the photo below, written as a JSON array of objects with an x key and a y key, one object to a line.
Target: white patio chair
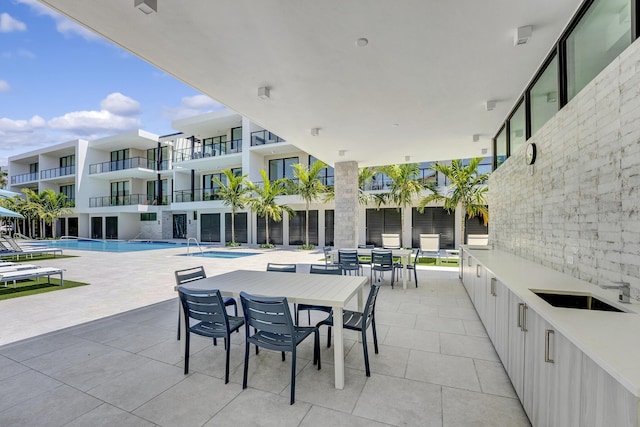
[
  {"x": 391, "y": 241},
  {"x": 478, "y": 239},
  {"x": 430, "y": 246}
]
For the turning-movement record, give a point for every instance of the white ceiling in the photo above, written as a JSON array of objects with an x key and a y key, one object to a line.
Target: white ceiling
[{"x": 429, "y": 67}]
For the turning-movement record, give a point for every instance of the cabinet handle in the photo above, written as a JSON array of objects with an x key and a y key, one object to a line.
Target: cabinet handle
[
  {"x": 477, "y": 270},
  {"x": 547, "y": 340},
  {"x": 520, "y": 305},
  {"x": 469, "y": 261},
  {"x": 493, "y": 287},
  {"x": 524, "y": 317}
]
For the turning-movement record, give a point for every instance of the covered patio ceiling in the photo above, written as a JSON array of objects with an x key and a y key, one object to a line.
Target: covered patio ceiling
[{"x": 417, "y": 91}]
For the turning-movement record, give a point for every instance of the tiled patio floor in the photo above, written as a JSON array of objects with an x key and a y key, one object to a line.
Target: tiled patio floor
[{"x": 436, "y": 367}]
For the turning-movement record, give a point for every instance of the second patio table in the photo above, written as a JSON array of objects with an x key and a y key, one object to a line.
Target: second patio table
[{"x": 316, "y": 289}]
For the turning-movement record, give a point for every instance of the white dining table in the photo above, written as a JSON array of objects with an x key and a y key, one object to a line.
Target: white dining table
[
  {"x": 316, "y": 289},
  {"x": 403, "y": 254}
]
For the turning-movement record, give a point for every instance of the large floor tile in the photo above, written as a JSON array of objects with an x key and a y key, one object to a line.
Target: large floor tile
[
  {"x": 413, "y": 339},
  {"x": 267, "y": 371},
  {"x": 494, "y": 379},
  {"x": 191, "y": 402},
  {"x": 439, "y": 324},
  {"x": 436, "y": 368},
  {"x": 397, "y": 319},
  {"x": 400, "y": 402},
  {"x": 38, "y": 346},
  {"x": 66, "y": 357},
  {"x": 9, "y": 368},
  {"x": 24, "y": 386},
  {"x": 462, "y": 345},
  {"x": 474, "y": 328},
  {"x": 467, "y": 408},
  {"x": 106, "y": 415},
  {"x": 211, "y": 360},
  {"x": 418, "y": 308},
  {"x": 389, "y": 360},
  {"x": 132, "y": 389},
  {"x": 52, "y": 408},
  {"x": 322, "y": 417},
  {"x": 458, "y": 313},
  {"x": 318, "y": 387},
  {"x": 267, "y": 409}
]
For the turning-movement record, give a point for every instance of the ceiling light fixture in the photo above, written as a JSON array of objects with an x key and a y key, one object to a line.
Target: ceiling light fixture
[
  {"x": 146, "y": 6},
  {"x": 264, "y": 92},
  {"x": 362, "y": 42},
  {"x": 490, "y": 105},
  {"x": 315, "y": 131},
  {"x": 522, "y": 35},
  {"x": 341, "y": 153},
  {"x": 484, "y": 151},
  {"x": 407, "y": 158},
  {"x": 475, "y": 137}
]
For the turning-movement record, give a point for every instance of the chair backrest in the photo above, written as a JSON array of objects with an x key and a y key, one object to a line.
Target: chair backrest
[
  {"x": 326, "y": 269},
  {"x": 366, "y": 246},
  {"x": 430, "y": 242},
  {"x": 327, "y": 254},
  {"x": 12, "y": 243},
  {"x": 391, "y": 241},
  {"x": 478, "y": 239},
  {"x": 370, "y": 307},
  {"x": 283, "y": 268},
  {"x": 189, "y": 275},
  {"x": 203, "y": 305},
  {"x": 348, "y": 257},
  {"x": 416, "y": 255},
  {"x": 381, "y": 257},
  {"x": 268, "y": 314}
]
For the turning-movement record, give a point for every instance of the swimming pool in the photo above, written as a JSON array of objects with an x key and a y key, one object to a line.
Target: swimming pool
[
  {"x": 113, "y": 245},
  {"x": 221, "y": 254}
]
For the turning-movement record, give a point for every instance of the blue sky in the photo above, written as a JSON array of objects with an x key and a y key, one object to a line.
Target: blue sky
[{"x": 59, "y": 82}]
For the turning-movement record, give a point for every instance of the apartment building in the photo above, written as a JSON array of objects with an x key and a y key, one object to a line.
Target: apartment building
[{"x": 139, "y": 185}]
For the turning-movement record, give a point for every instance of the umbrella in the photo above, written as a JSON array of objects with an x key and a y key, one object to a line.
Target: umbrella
[
  {"x": 7, "y": 213},
  {"x": 7, "y": 193}
]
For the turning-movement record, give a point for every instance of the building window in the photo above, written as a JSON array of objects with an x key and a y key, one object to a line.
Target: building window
[
  {"x": 282, "y": 168},
  {"x": 68, "y": 161},
  {"x": 501, "y": 147},
  {"x": 70, "y": 192},
  {"x": 33, "y": 167},
  {"x": 544, "y": 96},
  {"x": 216, "y": 146},
  {"x": 119, "y": 159},
  {"x": 119, "y": 193},
  {"x": 517, "y": 129},
  {"x": 236, "y": 140},
  {"x": 326, "y": 174},
  {"x": 148, "y": 216},
  {"x": 152, "y": 192},
  {"x": 601, "y": 35}
]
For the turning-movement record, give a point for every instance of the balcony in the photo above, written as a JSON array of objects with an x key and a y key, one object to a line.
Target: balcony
[
  {"x": 263, "y": 137},
  {"x": 127, "y": 200},
  {"x": 58, "y": 172},
  {"x": 197, "y": 195},
  {"x": 204, "y": 151},
  {"x": 25, "y": 177},
  {"x": 135, "y": 167}
]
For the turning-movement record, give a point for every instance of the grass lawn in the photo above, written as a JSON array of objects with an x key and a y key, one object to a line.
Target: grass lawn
[
  {"x": 35, "y": 286},
  {"x": 34, "y": 257}
]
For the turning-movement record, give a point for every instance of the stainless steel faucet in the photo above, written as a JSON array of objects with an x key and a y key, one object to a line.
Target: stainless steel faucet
[{"x": 624, "y": 288}]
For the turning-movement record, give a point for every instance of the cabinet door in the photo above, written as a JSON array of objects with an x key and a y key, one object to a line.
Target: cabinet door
[
  {"x": 502, "y": 322},
  {"x": 604, "y": 401},
  {"x": 564, "y": 396},
  {"x": 490, "y": 323},
  {"x": 468, "y": 274},
  {"x": 480, "y": 292},
  {"x": 538, "y": 372},
  {"x": 515, "y": 353}
]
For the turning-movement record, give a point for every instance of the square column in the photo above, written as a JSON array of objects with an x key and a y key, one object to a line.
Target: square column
[{"x": 346, "y": 202}]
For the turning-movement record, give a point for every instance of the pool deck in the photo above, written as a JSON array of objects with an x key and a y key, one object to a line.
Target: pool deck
[{"x": 106, "y": 354}]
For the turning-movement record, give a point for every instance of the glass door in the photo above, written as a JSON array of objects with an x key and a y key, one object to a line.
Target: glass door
[{"x": 180, "y": 226}]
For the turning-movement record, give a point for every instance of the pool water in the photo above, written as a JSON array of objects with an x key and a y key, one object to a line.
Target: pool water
[
  {"x": 221, "y": 254},
  {"x": 112, "y": 245}
]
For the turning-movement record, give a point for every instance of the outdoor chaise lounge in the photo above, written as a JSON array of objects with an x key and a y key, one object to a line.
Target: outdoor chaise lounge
[
  {"x": 16, "y": 250},
  {"x": 32, "y": 273}
]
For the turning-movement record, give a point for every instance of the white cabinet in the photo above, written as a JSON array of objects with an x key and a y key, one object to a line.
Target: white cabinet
[
  {"x": 480, "y": 292},
  {"x": 468, "y": 273},
  {"x": 516, "y": 326},
  {"x": 604, "y": 401},
  {"x": 500, "y": 335}
]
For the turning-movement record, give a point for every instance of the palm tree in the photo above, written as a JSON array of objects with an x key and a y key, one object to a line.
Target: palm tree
[
  {"x": 264, "y": 204},
  {"x": 234, "y": 193},
  {"x": 308, "y": 186},
  {"x": 467, "y": 188},
  {"x": 403, "y": 188},
  {"x": 47, "y": 206},
  {"x": 365, "y": 176}
]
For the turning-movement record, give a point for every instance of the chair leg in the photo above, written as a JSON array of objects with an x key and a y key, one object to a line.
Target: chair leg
[
  {"x": 366, "y": 352},
  {"x": 186, "y": 353},
  {"x": 283, "y": 358},
  {"x": 293, "y": 377},
  {"x": 309, "y": 317},
  {"x": 329, "y": 338},
  {"x": 226, "y": 368},
  {"x": 375, "y": 334},
  {"x": 246, "y": 365},
  {"x": 317, "y": 346},
  {"x": 415, "y": 276},
  {"x": 178, "y": 334}
]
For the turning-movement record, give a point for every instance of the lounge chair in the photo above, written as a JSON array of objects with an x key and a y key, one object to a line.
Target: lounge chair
[
  {"x": 16, "y": 267},
  {"x": 16, "y": 250},
  {"x": 391, "y": 241},
  {"x": 32, "y": 273}
]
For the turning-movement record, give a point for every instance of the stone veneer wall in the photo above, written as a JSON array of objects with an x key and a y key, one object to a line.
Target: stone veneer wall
[{"x": 577, "y": 210}]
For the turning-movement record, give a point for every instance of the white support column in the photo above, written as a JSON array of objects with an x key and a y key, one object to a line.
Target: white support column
[{"x": 346, "y": 200}]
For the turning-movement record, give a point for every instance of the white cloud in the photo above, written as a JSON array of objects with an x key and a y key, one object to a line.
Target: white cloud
[
  {"x": 63, "y": 24},
  {"x": 9, "y": 24},
  {"x": 192, "y": 106},
  {"x": 4, "y": 86},
  {"x": 93, "y": 122},
  {"x": 120, "y": 105},
  {"x": 8, "y": 126}
]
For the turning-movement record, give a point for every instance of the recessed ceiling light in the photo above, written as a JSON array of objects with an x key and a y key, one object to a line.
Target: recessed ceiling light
[
  {"x": 522, "y": 35},
  {"x": 315, "y": 131},
  {"x": 146, "y": 6},
  {"x": 395, "y": 125},
  {"x": 490, "y": 105},
  {"x": 475, "y": 137},
  {"x": 362, "y": 42},
  {"x": 264, "y": 92},
  {"x": 341, "y": 153},
  {"x": 407, "y": 158}
]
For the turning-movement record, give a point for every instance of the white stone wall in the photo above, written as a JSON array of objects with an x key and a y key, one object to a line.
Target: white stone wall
[{"x": 577, "y": 210}]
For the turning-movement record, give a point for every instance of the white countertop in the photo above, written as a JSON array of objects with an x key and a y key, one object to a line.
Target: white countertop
[{"x": 610, "y": 339}]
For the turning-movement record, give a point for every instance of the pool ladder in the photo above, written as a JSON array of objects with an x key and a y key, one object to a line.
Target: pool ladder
[{"x": 189, "y": 244}]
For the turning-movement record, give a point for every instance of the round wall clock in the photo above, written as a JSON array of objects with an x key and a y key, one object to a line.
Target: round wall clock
[{"x": 530, "y": 154}]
